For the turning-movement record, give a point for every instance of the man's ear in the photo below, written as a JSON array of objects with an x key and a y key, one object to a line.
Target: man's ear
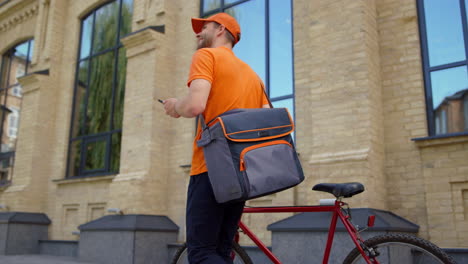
[{"x": 220, "y": 30}]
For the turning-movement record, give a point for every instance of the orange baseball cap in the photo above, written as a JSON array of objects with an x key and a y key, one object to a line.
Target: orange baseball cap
[{"x": 222, "y": 18}]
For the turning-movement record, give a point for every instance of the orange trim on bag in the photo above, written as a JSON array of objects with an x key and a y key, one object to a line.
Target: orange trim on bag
[
  {"x": 269, "y": 143},
  {"x": 259, "y": 129},
  {"x": 255, "y": 139}
]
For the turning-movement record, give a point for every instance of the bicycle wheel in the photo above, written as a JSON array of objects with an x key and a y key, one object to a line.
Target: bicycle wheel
[
  {"x": 401, "y": 249},
  {"x": 241, "y": 256}
]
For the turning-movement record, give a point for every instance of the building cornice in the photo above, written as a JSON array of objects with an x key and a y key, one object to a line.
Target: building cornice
[
  {"x": 33, "y": 81},
  {"x": 143, "y": 40},
  {"x": 16, "y": 12}
]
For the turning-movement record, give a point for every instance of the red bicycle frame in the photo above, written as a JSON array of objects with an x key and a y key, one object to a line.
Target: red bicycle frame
[{"x": 337, "y": 213}]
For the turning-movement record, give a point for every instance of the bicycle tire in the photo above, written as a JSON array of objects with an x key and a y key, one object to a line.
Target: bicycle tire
[
  {"x": 180, "y": 256},
  {"x": 401, "y": 249}
]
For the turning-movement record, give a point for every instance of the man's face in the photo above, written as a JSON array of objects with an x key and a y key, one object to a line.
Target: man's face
[{"x": 206, "y": 36}]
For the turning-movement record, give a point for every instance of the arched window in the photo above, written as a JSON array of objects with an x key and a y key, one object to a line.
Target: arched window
[
  {"x": 266, "y": 43},
  {"x": 15, "y": 63},
  {"x": 96, "y": 126}
]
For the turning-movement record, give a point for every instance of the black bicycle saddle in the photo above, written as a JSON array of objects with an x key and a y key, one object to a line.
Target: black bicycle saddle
[{"x": 345, "y": 190}]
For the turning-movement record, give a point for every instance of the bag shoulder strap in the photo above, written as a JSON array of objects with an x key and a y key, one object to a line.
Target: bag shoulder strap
[{"x": 265, "y": 93}]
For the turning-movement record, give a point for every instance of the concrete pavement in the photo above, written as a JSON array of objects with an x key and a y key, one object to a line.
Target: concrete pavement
[{"x": 39, "y": 259}]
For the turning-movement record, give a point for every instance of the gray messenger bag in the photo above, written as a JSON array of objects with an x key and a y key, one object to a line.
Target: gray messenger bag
[{"x": 250, "y": 153}]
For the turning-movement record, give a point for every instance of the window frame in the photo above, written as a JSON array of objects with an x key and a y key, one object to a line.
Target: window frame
[
  {"x": 105, "y": 136},
  {"x": 13, "y": 122},
  {"x": 427, "y": 69},
  {"x": 5, "y": 72},
  {"x": 224, "y": 6}
]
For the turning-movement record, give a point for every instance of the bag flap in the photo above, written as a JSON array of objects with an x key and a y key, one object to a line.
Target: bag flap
[{"x": 256, "y": 124}]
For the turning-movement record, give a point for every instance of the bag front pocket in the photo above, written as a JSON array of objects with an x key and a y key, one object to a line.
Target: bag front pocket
[{"x": 270, "y": 167}]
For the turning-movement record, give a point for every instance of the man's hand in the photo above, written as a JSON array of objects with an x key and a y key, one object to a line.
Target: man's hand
[{"x": 170, "y": 107}]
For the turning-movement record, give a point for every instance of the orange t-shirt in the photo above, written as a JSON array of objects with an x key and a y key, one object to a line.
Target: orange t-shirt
[{"x": 233, "y": 85}]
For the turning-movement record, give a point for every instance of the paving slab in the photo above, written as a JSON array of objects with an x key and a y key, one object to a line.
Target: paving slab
[{"x": 39, "y": 259}]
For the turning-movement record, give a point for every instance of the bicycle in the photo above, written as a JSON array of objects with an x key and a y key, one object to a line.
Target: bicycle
[{"x": 388, "y": 248}]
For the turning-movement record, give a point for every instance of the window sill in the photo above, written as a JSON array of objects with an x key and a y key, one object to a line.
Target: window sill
[
  {"x": 447, "y": 139},
  {"x": 82, "y": 179}
]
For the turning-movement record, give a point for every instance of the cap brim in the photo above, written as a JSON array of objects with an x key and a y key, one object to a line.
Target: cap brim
[{"x": 197, "y": 24}]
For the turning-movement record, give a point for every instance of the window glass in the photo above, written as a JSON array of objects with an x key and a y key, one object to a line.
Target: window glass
[
  {"x": 281, "y": 79},
  {"x": 441, "y": 121},
  {"x": 210, "y": 5},
  {"x": 80, "y": 96},
  {"x": 14, "y": 64},
  {"x": 97, "y": 116},
  {"x": 444, "y": 47},
  {"x": 446, "y": 83},
  {"x": 231, "y": 1},
  {"x": 287, "y": 103},
  {"x": 105, "y": 27},
  {"x": 126, "y": 18},
  {"x": 86, "y": 33},
  {"x": 30, "y": 51},
  {"x": 447, "y": 88},
  {"x": 115, "y": 149},
  {"x": 95, "y": 155},
  {"x": 444, "y": 31},
  {"x": 21, "y": 51},
  {"x": 13, "y": 121},
  {"x": 261, "y": 39},
  {"x": 251, "y": 49},
  {"x": 100, "y": 94},
  {"x": 19, "y": 63}
]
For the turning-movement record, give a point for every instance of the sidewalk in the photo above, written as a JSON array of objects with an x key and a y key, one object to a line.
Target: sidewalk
[{"x": 39, "y": 259}]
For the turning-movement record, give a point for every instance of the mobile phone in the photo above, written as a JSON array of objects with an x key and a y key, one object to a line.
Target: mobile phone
[{"x": 161, "y": 101}]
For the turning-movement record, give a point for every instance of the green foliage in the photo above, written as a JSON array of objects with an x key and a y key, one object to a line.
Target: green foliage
[{"x": 102, "y": 83}]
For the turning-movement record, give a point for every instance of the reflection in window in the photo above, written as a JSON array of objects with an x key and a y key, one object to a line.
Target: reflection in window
[
  {"x": 265, "y": 45},
  {"x": 99, "y": 91},
  {"x": 441, "y": 121},
  {"x": 444, "y": 42},
  {"x": 210, "y": 5},
  {"x": 15, "y": 64}
]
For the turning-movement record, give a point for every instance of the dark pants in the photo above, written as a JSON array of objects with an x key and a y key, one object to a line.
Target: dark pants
[{"x": 210, "y": 226}]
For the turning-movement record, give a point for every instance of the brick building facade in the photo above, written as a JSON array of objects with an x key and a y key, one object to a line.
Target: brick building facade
[{"x": 360, "y": 104}]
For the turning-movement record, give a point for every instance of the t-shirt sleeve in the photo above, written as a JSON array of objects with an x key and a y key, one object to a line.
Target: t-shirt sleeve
[{"x": 202, "y": 66}]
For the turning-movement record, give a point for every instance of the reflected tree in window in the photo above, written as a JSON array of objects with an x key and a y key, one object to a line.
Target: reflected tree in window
[{"x": 99, "y": 91}]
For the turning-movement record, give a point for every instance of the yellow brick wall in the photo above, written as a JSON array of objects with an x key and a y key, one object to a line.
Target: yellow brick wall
[
  {"x": 445, "y": 176},
  {"x": 359, "y": 103},
  {"x": 404, "y": 114},
  {"x": 338, "y": 95},
  {"x": 17, "y": 27}
]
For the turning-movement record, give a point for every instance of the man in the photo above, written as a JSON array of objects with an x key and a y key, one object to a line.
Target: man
[{"x": 218, "y": 82}]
